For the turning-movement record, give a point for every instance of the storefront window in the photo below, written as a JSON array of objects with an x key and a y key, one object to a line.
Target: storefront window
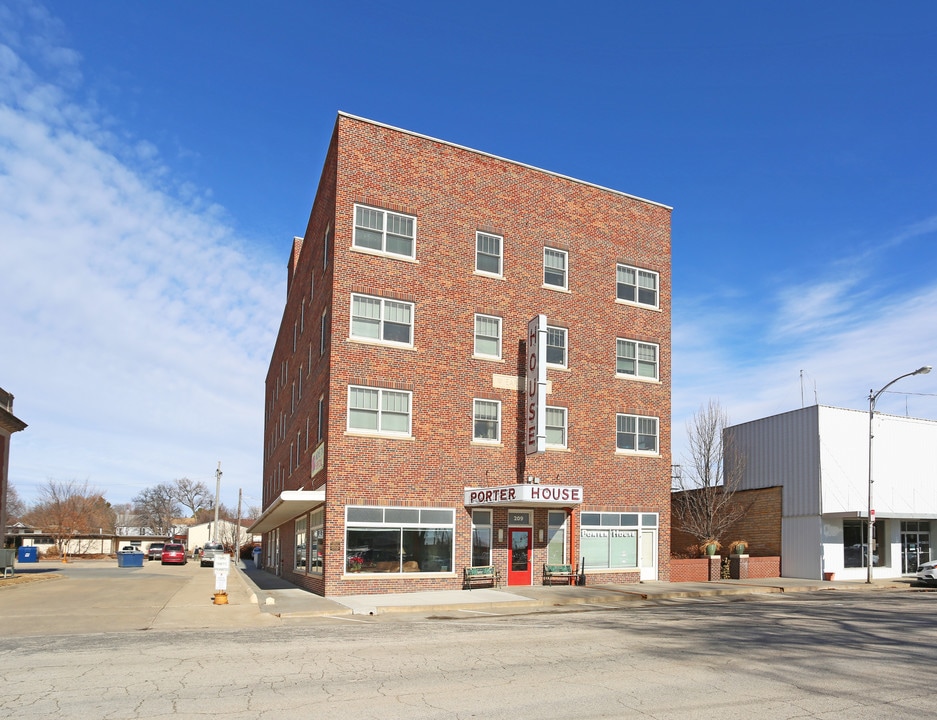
[
  {"x": 556, "y": 538},
  {"x": 399, "y": 540},
  {"x": 314, "y": 564},
  {"x": 610, "y": 540},
  {"x": 300, "y": 559},
  {"x": 855, "y": 547},
  {"x": 481, "y": 538}
]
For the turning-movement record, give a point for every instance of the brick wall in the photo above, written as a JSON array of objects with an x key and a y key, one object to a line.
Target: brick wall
[
  {"x": 454, "y": 192},
  {"x": 689, "y": 570},
  {"x": 760, "y": 525}
]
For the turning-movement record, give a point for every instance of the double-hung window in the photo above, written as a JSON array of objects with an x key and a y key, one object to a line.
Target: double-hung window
[
  {"x": 555, "y": 421},
  {"x": 488, "y": 336},
  {"x": 555, "y": 268},
  {"x": 382, "y": 320},
  {"x": 636, "y": 433},
  {"x": 637, "y": 286},
  {"x": 636, "y": 359},
  {"x": 486, "y": 418},
  {"x": 488, "y": 258},
  {"x": 378, "y": 410},
  {"x": 556, "y": 346},
  {"x": 385, "y": 232}
]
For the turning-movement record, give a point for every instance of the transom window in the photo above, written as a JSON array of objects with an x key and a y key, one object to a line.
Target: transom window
[
  {"x": 385, "y": 232},
  {"x": 378, "y": 410},
  {"x": 637, "y": 286},
  {"x": 486, "y": 416},
  {"x": 488, "y": 336},
  {"x": 636, "y": 433},
  {"x": 555, "y": 267},
  {"x": 556, "y": 346},
  {"x": 488, "y": 258},
  {"x": 636, "y": 359},
  {"x": 374, "y": 318},
  {"x": 555, "y": 421}
]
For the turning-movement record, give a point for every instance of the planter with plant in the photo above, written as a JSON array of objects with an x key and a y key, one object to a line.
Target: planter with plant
[
  {"x": 738, "y": 547},
  {"x": 710, "y": 547}
]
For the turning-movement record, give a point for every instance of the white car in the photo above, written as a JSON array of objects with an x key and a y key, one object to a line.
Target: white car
[{"x": 927, "y": 573}]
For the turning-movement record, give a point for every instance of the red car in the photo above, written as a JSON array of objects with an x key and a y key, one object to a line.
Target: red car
[{"x": 174, "y": 554}]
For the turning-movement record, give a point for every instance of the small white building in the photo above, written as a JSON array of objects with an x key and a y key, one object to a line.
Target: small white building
[
  {"x": 227, "y": 533},
  {"x": 819, "y": 455}
]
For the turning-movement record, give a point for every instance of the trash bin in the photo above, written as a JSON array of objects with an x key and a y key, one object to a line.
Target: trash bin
[
  {"x": 28, "y": 553},
  {"x": 129, "y": 559},
  {"x": 255, "y": 556}
]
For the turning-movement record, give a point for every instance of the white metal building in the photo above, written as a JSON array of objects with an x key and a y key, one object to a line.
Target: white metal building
[{"x": 819, "y": 455}]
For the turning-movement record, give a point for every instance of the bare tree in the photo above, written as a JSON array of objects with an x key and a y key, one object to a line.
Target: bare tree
[
  {"x": 704, "y": 505},
  {"x": 193, "y": 495},
  {"x": 67, "y": 509},
  {"x": 156, "y": 507},
  {"x": 16, "y": 508}
]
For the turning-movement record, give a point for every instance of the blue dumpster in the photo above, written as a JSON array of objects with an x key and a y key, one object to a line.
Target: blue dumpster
[
  {"x": 129, "y": 559},
  {"x": 27, "y": 553}
]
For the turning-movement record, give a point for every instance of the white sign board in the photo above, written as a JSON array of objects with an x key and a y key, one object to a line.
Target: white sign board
[
  {"x": 222, "y": 564},
  {"x": 535, "y": 391},
  {"x": 549, "y": 495}
]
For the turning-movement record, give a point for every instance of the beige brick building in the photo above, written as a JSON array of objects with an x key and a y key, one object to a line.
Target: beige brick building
[{"x": 406, "y": 435}]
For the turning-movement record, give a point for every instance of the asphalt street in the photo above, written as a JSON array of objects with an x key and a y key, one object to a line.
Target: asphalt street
[{"x": 856, "y": 654}]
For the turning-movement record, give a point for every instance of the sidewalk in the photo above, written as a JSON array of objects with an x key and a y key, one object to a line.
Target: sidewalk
[{"x": 275, "y": 595}]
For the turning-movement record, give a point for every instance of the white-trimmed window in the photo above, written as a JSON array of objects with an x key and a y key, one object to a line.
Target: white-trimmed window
[
  {"x": 488, "y": 253},
  {"x": 399, "y": 540},
  {"x": 323, "y": 331},
  {"x": 636, "y": 433},
  {"x": 637, "y": 286},
  {"x": 486, "y": 418},
  {"x": 555, "y": 264},
  {"x": 616, "y": 540},
  {"x": 300, "y": 555},
  {"x": 636, "y": 359},
  {"x": 385, "y": 232},
  {"x": 381, "y": 320},
  {"x": 325, "y": 245},
  {"x": 555, "y": 420},
  {"x": 378, "y": 410},
  {"x": 481, "y": 538},
  {"x": 488, "y": 336},
  {"x": 320, "y": 422},
  {"x": 556, "y": 346}
]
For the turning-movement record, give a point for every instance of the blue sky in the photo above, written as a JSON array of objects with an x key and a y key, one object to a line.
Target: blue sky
[{"x": 157, "y": 159}]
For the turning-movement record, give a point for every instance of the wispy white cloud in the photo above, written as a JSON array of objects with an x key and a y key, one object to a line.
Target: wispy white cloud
[
  {"x": 845, "y": 339},
  {"x": 137, "y": 325}
]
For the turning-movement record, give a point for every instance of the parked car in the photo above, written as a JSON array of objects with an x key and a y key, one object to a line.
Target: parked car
[
  {"x": 927, "y": 573},
  {"x": 209, "y": 552},
  {"x": 173, "y": 554},
  {"x": 155, "y": 551}
]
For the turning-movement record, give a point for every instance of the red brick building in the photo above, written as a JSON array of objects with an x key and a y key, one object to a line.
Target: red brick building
[{"x": 404, "y": 440}]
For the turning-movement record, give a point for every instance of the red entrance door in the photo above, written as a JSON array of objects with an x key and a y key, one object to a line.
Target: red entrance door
[{"x": 519, "y": 569}]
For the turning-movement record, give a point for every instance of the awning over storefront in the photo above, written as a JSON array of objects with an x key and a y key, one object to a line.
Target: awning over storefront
[{"x": 290, "y": 504}]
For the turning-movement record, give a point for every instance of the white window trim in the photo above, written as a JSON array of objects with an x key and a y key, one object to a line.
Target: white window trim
[
  {"x": 383, "y": 252},
  {"x": 323, "y": 331},
  {"x": 635, "y": 303},
  {"x": 565, "y": 364},
  {"x": 565, "y": 444},
  {"x": 646, "y": 453},
  {"x": 486, "y": 441},
  {"x": 488, "y": 273},
  {"x": 380, "y": 340},
  {"x": 475, "y": 352},
  {"x": 565, "y": 286},
  {"x": 380, "y": 396},
  {"x": 639, "y": 378}
]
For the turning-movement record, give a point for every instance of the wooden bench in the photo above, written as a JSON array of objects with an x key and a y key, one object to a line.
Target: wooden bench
[
  {"x": 562, "y": 572},
  {"x": 480, "y": 575}
]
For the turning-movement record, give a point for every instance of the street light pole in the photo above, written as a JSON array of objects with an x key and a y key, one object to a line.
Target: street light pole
[{"x": 873, "y": 397}]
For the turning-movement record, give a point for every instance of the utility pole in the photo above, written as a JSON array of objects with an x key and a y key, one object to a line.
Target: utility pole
[
  {"x": 237, "y": 530},
  {"x": 214, "y": 530}
]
